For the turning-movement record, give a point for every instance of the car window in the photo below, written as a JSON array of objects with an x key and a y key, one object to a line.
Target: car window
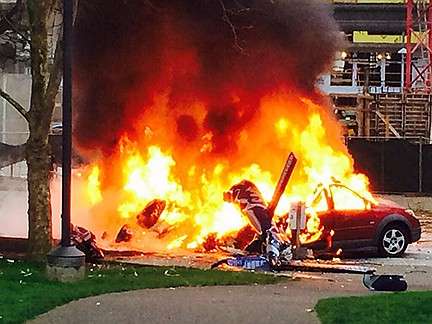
[
  {"x": 346, "y": 199},
  {"x": 319, "y": 203}
]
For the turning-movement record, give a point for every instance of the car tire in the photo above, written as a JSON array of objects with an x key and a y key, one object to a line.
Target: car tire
[{"x": 393, "y": 241}]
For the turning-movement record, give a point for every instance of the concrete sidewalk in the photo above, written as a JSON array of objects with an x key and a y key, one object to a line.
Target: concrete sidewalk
[{"x": 289, "y": 302}]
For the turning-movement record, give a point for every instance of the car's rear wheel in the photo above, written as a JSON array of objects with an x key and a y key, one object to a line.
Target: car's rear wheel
[{"x": 393, "y": 241}]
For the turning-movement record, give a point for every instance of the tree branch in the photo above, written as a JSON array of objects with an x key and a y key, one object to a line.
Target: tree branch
[
  {"x": 55, "y": 73},
  {"x": 13, "y": 28},
  {"x": 56, "y": 68},
  {"x": 231, "y": 25},
  {"x": 228, "y": 14},
  {"x": 12, "y": 17},
  {"x": 14, "y": 104}
]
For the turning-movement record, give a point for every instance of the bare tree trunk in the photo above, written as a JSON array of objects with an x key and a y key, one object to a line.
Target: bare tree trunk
[
  {"x": 37, "y": 147},
  {"x": 39, "y": 211},
  {"x": 46, "y": 77}
]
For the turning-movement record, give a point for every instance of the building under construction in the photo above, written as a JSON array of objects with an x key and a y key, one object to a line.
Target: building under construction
[{"x": 381, "y": 83}]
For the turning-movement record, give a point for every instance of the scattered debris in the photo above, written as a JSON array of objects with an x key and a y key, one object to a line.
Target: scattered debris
[
  {"x": 125, "y": 234},
  {"x": 262, "y": 263},
  {"x": 104, "y": 235},
  {"x": 171, "y": 273},
  {"x": 269, "y": 240},
  {"x": 385, "y": 282},
  {"x": 149, "y": 216},
  {"x": 85, "y": 241},
  {"x": 211, "y": 242},
  {"x": 414, "y": 271},
  {"x": 301, "y": 275}
]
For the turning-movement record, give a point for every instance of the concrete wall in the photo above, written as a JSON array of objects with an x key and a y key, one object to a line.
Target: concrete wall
[{"x": 14, "y": 205}]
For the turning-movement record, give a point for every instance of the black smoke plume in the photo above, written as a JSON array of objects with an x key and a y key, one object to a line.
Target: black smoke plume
[{"x": 128, "y": 52}]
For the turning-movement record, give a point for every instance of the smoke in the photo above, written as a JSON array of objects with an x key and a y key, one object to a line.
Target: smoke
[{"x": 188, "y": 68}]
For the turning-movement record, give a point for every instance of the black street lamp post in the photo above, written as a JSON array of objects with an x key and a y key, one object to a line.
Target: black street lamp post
[
  {"x": 67, "y": 121},
  {"x": 66, "y": 262}
]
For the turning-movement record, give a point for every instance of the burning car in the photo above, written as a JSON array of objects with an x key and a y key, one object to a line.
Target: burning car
[
  {"x": 193, "y": 114},
  {"x": 344, "y": 219},
  {"x": 352, "y": 221}
]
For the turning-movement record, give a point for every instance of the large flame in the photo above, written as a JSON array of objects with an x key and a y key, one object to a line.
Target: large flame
[
  {"x": 193, "y": 98},
  {"x": 113, "y": 191}
]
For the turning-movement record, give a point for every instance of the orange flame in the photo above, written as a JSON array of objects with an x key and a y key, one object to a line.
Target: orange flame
[
  {"x": 93, "y": 186},
  {"x": 191, "y": 181}
]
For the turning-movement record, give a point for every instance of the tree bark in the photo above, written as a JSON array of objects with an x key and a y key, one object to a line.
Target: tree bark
[
  {"x": 38, "y": 152},
  {"x": 39, "y": 207}
]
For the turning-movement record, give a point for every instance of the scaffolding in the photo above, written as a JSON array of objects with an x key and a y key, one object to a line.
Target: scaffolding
[{"x": 418, "y": 67}]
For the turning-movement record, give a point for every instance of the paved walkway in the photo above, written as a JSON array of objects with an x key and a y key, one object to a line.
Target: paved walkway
[{"x": 289, "y": 302}]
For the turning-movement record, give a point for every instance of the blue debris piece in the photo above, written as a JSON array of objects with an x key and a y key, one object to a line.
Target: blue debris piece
[{"x": 249, "y": 262}]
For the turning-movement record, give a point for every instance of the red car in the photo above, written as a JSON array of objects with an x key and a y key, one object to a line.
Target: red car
[{"x": 351, "y": 221}]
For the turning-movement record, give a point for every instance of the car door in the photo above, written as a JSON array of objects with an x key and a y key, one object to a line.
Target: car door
[
  {"x": 320, "y": 206},
  {"x": 353, "y": 219}
]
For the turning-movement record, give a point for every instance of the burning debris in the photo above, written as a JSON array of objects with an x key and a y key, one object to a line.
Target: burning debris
[
  {"x": 85, "y": 241},
  {"x": 268, "y": 241},
  {"x": 149, "y": 216},
  {"x": 247, "y": 196},
  {"x": 125, "y": 234},
  {"x": 207, "y": 93},
  {"x": 211, "y": 243},
  {"x": 146, "y": 219}
]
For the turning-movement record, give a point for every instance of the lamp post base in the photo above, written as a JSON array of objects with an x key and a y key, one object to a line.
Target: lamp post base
[{"x": 65, "y": 263}]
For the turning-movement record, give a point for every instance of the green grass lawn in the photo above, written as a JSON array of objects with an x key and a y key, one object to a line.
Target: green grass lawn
[
  {"x": 401, "y": 307},
  {"x": 25, "y": 292}
]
